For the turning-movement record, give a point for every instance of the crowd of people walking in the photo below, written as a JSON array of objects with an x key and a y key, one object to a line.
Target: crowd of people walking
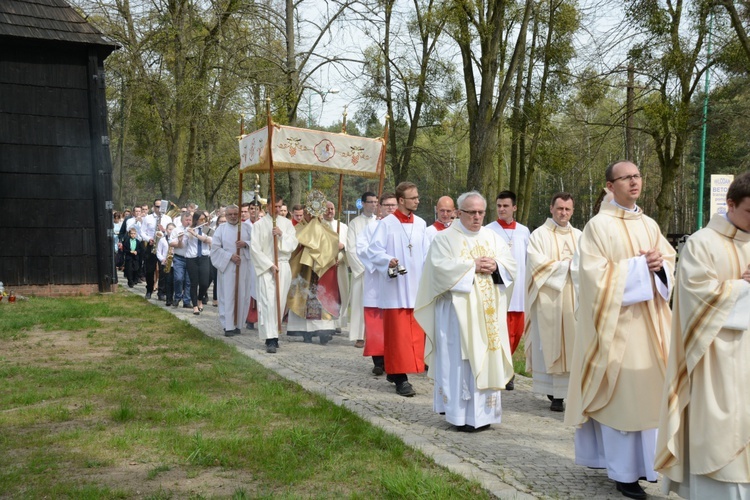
[{"x": 647, "y": 391}]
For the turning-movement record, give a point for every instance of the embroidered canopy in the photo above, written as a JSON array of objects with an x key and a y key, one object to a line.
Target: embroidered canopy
[{"x": 302, "y": 149}]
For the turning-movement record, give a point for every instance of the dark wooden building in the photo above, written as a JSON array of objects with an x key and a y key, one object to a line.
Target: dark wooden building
[{"x": 55, "y": 167}]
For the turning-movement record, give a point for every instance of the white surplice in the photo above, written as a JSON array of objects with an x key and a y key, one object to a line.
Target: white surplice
[
  {"x": 518, "y": 240},
  {"x": 371, "y": 278},
  {"x": 392, "y": 239},
  {"x": 356, "y": 307}
]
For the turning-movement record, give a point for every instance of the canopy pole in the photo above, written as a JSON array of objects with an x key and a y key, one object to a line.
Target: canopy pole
[
  {"x": 382, "y": 158},
  {"x": 341, "y": 178},
  {"x": 239, "y": 235},
  {"x": 341, "y": 199},
  {"x": 272, "y": 211}
]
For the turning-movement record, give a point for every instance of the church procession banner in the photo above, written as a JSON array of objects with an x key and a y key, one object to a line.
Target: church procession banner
[{"x": 302, "y": 149}]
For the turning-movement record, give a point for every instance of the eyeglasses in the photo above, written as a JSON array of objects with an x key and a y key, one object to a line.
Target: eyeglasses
[
  {"x": 389, "y": 205},
  {"x": 412, "y": 198},
  {"x": 474, "y": 213},
  {"x": 628, "y": 178}
]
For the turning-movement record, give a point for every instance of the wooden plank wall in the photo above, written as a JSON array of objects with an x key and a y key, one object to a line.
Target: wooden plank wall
[{"x": 48, "y": 231}]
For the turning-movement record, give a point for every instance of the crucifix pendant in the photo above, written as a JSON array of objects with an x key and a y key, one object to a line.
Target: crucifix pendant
[{"x": 409, "y": 247}]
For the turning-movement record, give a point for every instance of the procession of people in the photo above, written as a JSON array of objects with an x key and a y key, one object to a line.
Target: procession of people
[{"x": 647, "y": 391}]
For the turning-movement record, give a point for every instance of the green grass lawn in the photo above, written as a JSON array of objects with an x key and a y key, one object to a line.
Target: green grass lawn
[{"x": 108, "y": 397}]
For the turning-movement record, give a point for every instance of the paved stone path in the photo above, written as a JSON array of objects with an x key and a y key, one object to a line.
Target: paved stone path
[{"x": 529, "y": 455}]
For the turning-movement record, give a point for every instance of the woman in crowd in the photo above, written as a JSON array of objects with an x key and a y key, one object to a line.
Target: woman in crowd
[
  {"x": 197, "y": 259},
  {"x": 212, "y": 277}
]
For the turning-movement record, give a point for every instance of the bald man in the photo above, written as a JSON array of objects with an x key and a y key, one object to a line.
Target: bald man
[{"x": 445, "y": 210}]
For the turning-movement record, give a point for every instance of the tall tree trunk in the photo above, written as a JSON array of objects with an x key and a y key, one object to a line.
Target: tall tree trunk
[
  {"x": 398, "y": 175},
  {"x": 295, "y": 182},
  {"x": 630, "y": 115},
  {"x": 485, "y": 109}
]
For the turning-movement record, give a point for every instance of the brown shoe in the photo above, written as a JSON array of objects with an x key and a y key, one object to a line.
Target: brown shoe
[{"x": 359, "y": 344}]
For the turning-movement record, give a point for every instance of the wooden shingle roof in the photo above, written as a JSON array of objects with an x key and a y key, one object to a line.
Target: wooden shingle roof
[{"x": 52, "y": 20}]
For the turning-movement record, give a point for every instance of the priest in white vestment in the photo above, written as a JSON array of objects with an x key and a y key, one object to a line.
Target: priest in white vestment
[
  {"x": 266, "y": 272},
  {"x": 356, "y": 291},
  {"x": 704, "y": 434},
  {"x": 225, "y": 258},
  {"x": 622, "y": 342},
  {"x": 461, "y": 305},
  {"x": 550, "y": 301},
  {"x": 342, "y": 269}
]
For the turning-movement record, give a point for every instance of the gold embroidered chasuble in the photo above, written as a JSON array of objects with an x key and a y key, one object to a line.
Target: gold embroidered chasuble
[
  {"x": 620, "y": 352},
  {"x": 705, "y": 418},
  {"x": 481, "y": 313},
  {"x": 316, "y": 254},
  {"x": 550, "y": 295}
]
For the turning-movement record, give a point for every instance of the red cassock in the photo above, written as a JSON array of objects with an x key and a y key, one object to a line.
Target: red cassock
[
  {"x": 404, "y": 342},
  {"x": 374, "y": 345},
  {"x": 515, "y": 328}
]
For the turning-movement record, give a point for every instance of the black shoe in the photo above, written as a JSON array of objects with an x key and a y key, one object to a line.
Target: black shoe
[
  {"x": 176, "y": 304},
  {"x": 249, "y": 326},
  {"x": 187, "y": 306},
  {"x": 307, "y": 338},
  {"x": 405, "y": 389},
  {"x": 631, "y": 490},
  {"x": 325, "y": 338},
  {"x": 390, "y": 378},
  {"x": 550, "y": 397},
  {"x": 557, "y": 405},
  {"x": 511, "y": 385},
  {"x": 130, "y": 284},
  {"x": 471, "y": 428},
  {"x": 232, "y": 333},
  {"x": 271, "y": 349},
  {"x": 148, "y": 295},
  {"x": 378, "y": 370},
  {"x": 160, "y": 296},
  {"x": 169, "y": 303}
]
